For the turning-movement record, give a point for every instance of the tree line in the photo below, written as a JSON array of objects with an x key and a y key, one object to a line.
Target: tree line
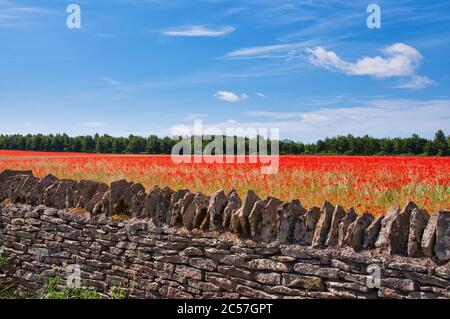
[{"x": 341, "y": 145}]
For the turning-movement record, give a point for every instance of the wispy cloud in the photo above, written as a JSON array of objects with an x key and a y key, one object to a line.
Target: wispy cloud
[
  {"x": 199, "y": 31},
  {"x": 398, "y": 60},
  {"x": 109, "y": 80},
  {"x": 415, "y": 82},
  {"x": 268, "y": 50},
  {"x": 381, "y": 118},
  {"x": 231, "y": 97}
]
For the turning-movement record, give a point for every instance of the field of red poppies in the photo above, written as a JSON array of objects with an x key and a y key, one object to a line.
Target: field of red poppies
[{"x": 366, "y": 183}]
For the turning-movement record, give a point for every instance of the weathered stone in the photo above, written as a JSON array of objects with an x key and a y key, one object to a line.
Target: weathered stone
[
  {"x": 124, "y": 204},
  {"x": 188, "y": 272},
  {"x": 323, "y": 225},
  {"x": 95, "y": 204},
  {"x": 269, "y": 220},
  {"x": 333, "y": 235},
  {"x": 311, "y": 219},
  {"x": 305, "y": 282},
  {"x": 408, "y": 267},
  {"x": 316, "y": 270},
  {"x": 235, "y": 272},
  {"x": 14, "y": 184},
  {"x": 163, "y": 205},
  {"x": 442, "y": 247},
  {"x": 356, "y": 237},
  {"x": 60, "y": 194},
  {"x": 405, "y": 285},
  {"x": 179, "y": 209},
  {"x": 268, "y": 278},
  {"x": 443, "y": 271},
  {"x": 203, "y": 263},
  {"x": 196, "y": 212},
  {"x": 267, "y": 264},
  {"x": 137, "y": 204},
  {"x": 216, "y": 207},
  {"x": 395, "y": 230},
  {"x": 418, "y": 222},
  {"x": 349, "y": 218},
  {"x": 239, "y": 220},
  {"x": 429, "y": 236},
  {"x": 36, "y": 194},
  {"x": 151, "y": 203},
  {"x": 25, "y": 187},
  {"x": 175, "y": 198},
  {"x": 253, "y": 293},
  {"x": 6, "y": 178},
  {"x": 201, "y": 212},
  {"x": 372, "y": 232},
  {"x": 255, "y": 218},
  {"x": 290, "y": 227},
  {"x": 84, "y": 191},
  {"x": 234, "y": 203},
  {"x": 112, "y": 197}
]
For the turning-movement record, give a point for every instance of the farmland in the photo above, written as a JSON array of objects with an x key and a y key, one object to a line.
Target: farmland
[{"x": 366, "y": 183}]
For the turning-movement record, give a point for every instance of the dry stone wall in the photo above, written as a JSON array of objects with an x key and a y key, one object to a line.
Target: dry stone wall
[{"x": 176, "y": 244}]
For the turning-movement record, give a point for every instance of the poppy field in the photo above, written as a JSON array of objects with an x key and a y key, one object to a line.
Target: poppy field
[{"x": 366, "y": 183}]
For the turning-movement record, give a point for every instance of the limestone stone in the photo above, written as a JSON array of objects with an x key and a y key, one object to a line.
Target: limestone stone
[
  {"x": 357, "y": 236},
  {"x": 395, "y": 230},
  {"x": 419, "y": 220},
  {"x": 290, "y": 227},
  {"x": 239, "y": 220},
  {"x": 216, "y": 208},
  {"x": 196, "y": 212},
  {"x": 124, "y": 204},
  {"x": 234, "y": 203},
  {"x": 151, "y": 203},
  {"x": 255, "y": 218},
  {"x": 349, "y": 218},
  {"x": 36, "y": 194},
  {"x": 269, "y": 220},
  {"x": 175, "y": 198},
  {"x": 311, "y": 219},
  {"x": 179, "y": 209},
  {"x": 372, "y": 232},
  {"x": 442, "y": 247},
  {"x": 95, "y": 204},
  {"x": 333, "y": 235},
  {"x": 429, "y": 236},
  {"x": 323, "y": 225}
]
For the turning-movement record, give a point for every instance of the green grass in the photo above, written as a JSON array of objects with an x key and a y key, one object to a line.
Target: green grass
[
  {"x": 52, "y": 290},
  {"x": 2, "y": 262}
]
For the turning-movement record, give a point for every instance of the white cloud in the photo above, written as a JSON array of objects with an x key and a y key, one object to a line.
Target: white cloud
[
  {"x": 416, "y": 82},
  {"x": 268, "y": 50},
  {"x": 380, "y": 118},
  {"x": 229, "y": 96},
  {"x": 261, "y": 95},
  {"x": 199, "y": 31},
  {"x": 398, "y": 60}
]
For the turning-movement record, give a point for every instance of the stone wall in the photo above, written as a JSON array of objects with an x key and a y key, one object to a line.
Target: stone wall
[{"x": 175, "y": 244}]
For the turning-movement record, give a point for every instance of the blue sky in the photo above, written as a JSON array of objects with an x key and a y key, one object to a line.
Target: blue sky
[{"x": 311, "y": 68}]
